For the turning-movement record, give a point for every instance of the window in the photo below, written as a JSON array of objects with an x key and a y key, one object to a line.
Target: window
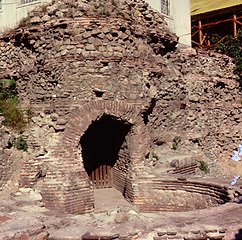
[
  {"x": 27, "y": 1},
  {"x": 165, "y": 7}
]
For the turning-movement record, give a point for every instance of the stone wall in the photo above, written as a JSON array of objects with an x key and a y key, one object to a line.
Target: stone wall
[
  {"x": 202, "y": 105},
  {"x": 4, "y": 151},
  {"x": 78, "y": 61}
]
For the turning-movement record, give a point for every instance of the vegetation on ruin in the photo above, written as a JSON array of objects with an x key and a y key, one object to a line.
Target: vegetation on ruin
[
  {"x": 24, "y": 22},
  {"x": 231, "y": 46},
  {"x": 20, "y": 144},
  {"x": 154, "y": 155},
  {"x": 203, "y": 166},
  {"x": 15, "y": 117},
  {"x": 176, "y": 141}
]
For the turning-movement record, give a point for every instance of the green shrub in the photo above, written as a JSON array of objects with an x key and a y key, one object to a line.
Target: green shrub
[
  {"x": 7, "y": 89},
  {"x": 174, "y": 146},
  {"x": 231, "y": 46},
  {"x": 24, "y": 22},
  {"x": 21, "y": 144},
  {"x": 15, "y": 117},
  {"x": 176, "y": 141},
  {"x": 155, "y": 156},
  {"x": 203, "y": 166}
]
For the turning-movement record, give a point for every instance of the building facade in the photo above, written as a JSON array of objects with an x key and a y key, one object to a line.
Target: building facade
[
  {"x": 213, "y": 20},
  {"x": 12, "y": 11},
  {"x": 177, "y": 15},
  {"x": 176, "y": 12}
]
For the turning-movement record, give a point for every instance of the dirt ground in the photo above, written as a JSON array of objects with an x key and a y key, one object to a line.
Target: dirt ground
[{"x": 113, "y": 216}]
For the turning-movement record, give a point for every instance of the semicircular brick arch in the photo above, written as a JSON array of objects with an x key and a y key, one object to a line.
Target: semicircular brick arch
[
  {"x": 83, "y": 116},
  {"x": 76, "y": 193}
]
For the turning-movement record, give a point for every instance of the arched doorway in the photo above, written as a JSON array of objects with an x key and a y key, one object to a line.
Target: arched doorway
[
  {"x": 67, "y": 186},
  {"x": 106, "y": 152}
]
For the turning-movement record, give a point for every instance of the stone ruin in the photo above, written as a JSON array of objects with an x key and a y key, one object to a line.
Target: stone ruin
[{"x": 110, "y": 96}]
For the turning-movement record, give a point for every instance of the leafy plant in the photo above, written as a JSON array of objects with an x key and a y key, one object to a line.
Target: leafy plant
[
  {"x": 15, "y": 117},
  {"x": 231, "y": 46},
  {"x": 176, "y": 141},
  {"x": 155, "y": 156},
  {"x": 21, "y": 144},
  {"x": 8, "y": 89},
  {"x": 24, "y": 22},
  {"x": 203, "y": 166}
]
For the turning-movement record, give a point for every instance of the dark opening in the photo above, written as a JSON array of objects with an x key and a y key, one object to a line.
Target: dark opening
[
  {"x": 102, "y": 141},
  {"x": 183, "y": 105},
  {"x": 114, "y": 34},
  {"x": 220, "y": 85},
  {"x": 105, "y": 63},
  {"x": 98, "y": 93},
  {"x": 123, "y": 29},
  {"x": 148, "y": 112}
]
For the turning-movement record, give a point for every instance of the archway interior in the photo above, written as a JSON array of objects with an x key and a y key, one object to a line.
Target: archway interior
[{"x": 101, "y": 145}]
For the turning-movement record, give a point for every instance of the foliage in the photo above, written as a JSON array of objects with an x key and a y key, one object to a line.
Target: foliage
[
  {"x": 7, "y": 89},
  {"x": 15, "y": 117},
  {"x": 24, "y": 22},
  {"x": 231, "y": 46},
  {"x": 203, "y": 166},
  {"x": 176, "y": 141},
  {"x": 21, "y": 144},
  {"x": 155, "y": 156}
]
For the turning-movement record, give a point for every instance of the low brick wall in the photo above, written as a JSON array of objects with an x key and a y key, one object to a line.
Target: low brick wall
[{"x": 178, "y": 195}]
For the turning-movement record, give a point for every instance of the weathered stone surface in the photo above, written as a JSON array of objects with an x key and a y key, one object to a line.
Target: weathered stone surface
[
  {"x": 37, "y": 222},
  {"x": 121, "y": 217}
]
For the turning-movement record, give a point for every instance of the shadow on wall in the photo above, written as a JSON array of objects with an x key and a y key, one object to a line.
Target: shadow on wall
[
  {"x": 102, "y": 141},
  {"x": 238, "y": 236}
]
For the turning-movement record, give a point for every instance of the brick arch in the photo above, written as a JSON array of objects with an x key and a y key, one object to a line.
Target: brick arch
[
  {"x": 83, "y": 116},
  {"x": 76, "y": 195}
]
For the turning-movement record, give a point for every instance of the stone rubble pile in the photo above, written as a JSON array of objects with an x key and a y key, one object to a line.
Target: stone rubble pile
[{"x": 201, "y": 104}]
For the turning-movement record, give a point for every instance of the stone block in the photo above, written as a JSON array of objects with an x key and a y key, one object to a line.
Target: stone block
[
  {"x": 78, "y": 38},
  {"x": 90, "y": 47}
]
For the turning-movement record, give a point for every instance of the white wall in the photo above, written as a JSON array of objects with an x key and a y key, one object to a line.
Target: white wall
[
  {"x": 13, "y": 11},
  {"x": 156, "y": 4},
  {"x": 179, "y": 19},
  {"x": 180, "y": 10}
]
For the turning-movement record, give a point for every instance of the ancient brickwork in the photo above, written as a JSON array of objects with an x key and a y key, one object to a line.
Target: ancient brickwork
[
  {"x": 65, "y": 164},
  {"x": 75, "y": 62},
  {"x": 179, "y": 195}
]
